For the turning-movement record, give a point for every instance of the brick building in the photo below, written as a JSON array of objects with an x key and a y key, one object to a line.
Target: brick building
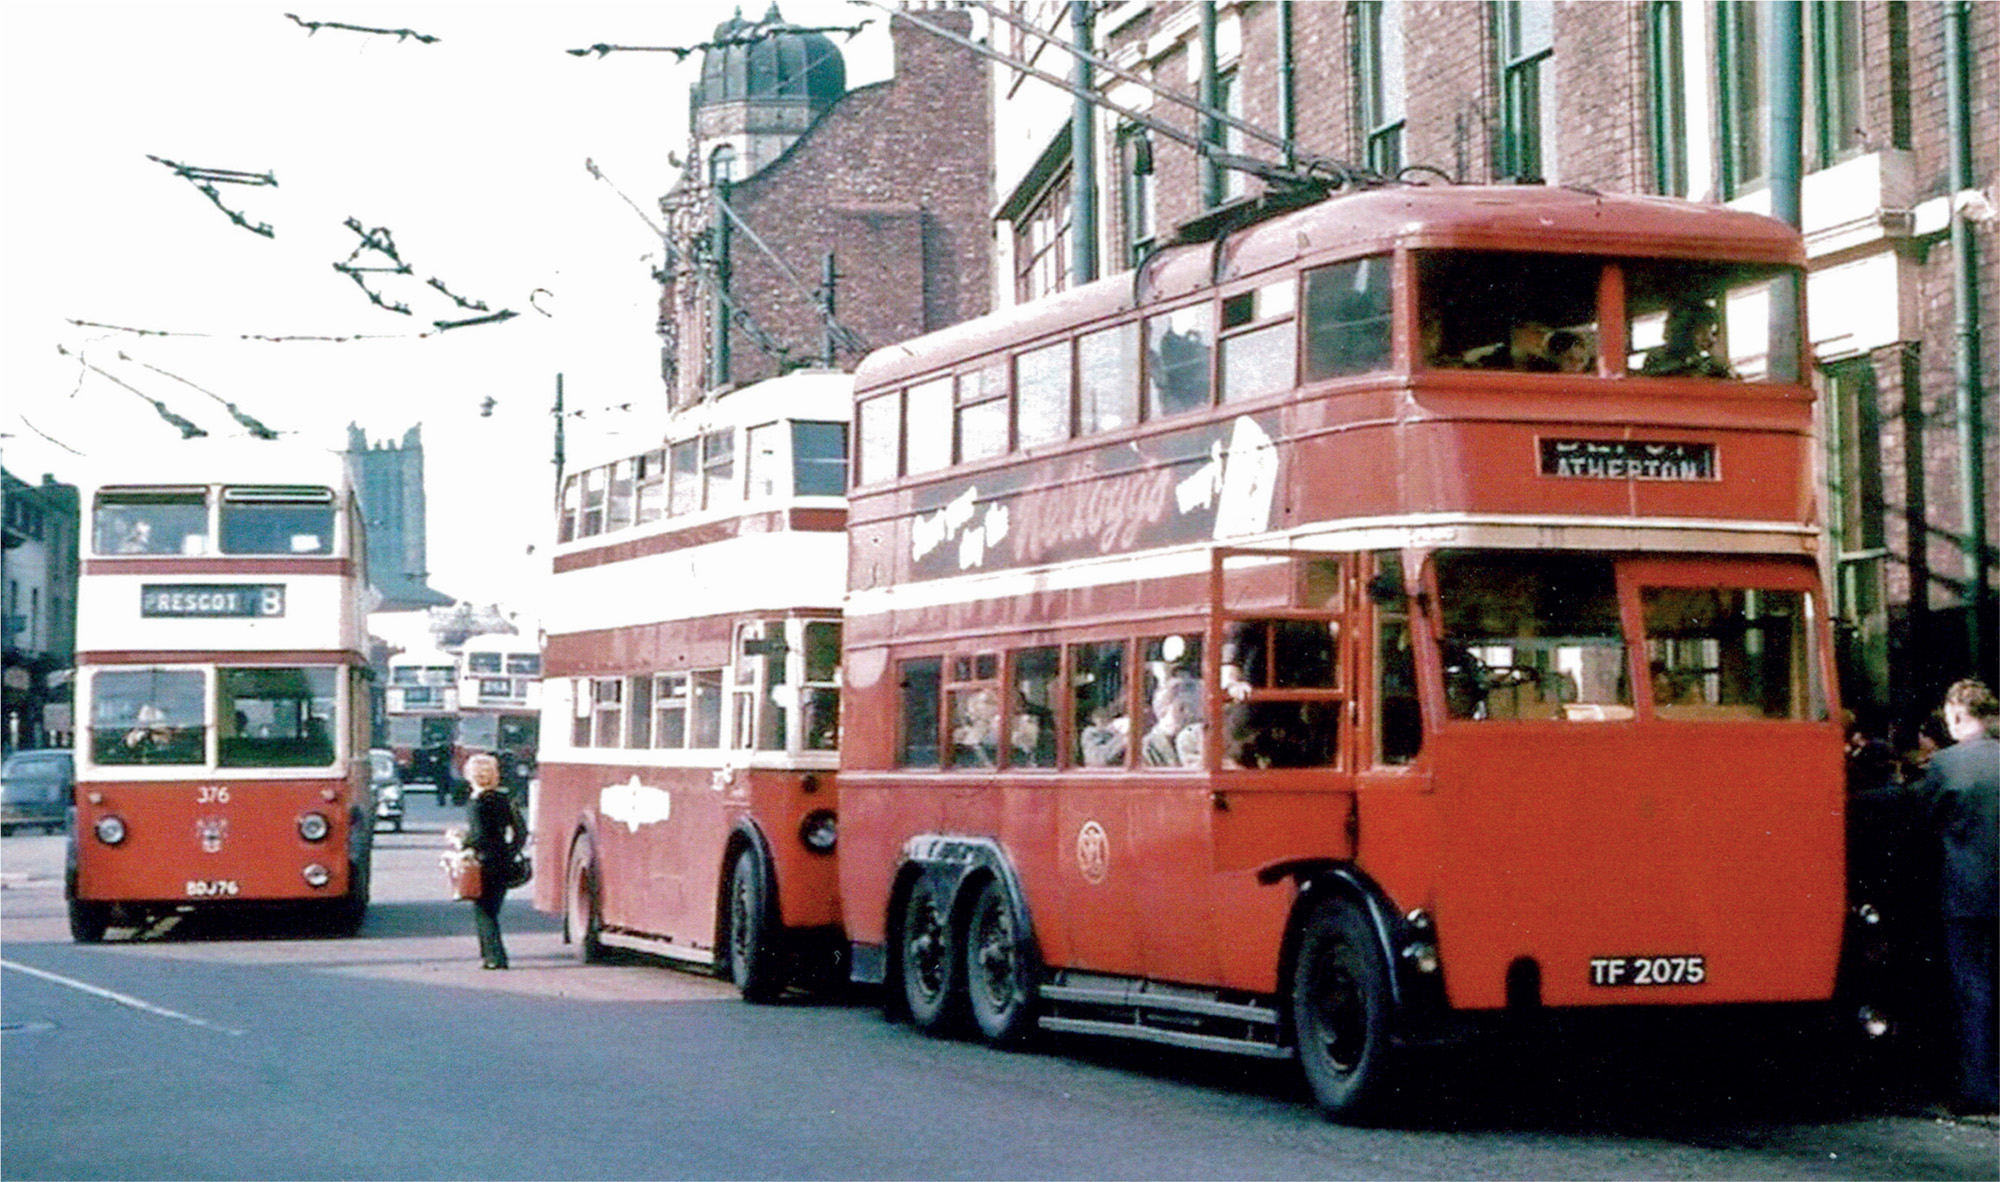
[
  {"x": 1665, "y": 96},
  {"x": 39, "y": 563},
  {"x": 892, "y": 181}
]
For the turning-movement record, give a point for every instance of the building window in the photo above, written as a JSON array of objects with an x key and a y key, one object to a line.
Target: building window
[
  {"x": 1378, "y": 72},
  {"x": 1041, "y": 243},
  {"x": 1135, "y": 197},
  {"x": 1229, "y": 98},
  {"x": 1525, "y": 31},
  {"x": 1744, "y": 107},
  {"x": 1668, "y": 99},
  {"x": 1833, "y": 75}
]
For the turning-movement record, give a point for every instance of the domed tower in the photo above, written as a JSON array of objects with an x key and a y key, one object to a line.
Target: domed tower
[{"x": 761, "y": 87}]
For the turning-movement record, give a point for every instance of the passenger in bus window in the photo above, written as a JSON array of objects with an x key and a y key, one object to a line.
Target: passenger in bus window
[
  {"x": 1176, "y": 709},
  {"x": 1571, "y": 352},
  {"x": 1526, "y": 348},
  {"x": 1690, "y": 345},
  {"x": 975, "y": 728},
  {"x": 138, "y": 538},
  {"x": 1102, "y": 743}
]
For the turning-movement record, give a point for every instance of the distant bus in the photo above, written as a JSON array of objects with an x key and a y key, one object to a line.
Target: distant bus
[
  {"x": 691, "y": 706},
  {"x": 421, "y": 705},
  {"x": 223, "y": 688},
  {"x": 1401, "y": 610},
  {"x": 500, "y": 704}
]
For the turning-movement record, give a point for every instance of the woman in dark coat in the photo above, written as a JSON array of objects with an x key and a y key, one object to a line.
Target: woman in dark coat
[{"x": 495, "y": 832}]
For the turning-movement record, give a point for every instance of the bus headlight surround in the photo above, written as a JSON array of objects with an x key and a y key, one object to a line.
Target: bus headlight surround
[
  {"x": 317, "y": 875},
  {"x": 111, "y": 830},
  {"x": 314, "y": 826},
  {"x": 819, "y": 831}
]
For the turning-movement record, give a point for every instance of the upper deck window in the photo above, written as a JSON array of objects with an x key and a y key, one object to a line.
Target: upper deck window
[
  {"x": 482, "y": 662},
  {"x": 718, "y": 465},
  {"x": 1178, "y": 345},
  {"x": 1703, "y": 320},
  {"x": 279, "y": 520},
  {"x": 1042, "y": 395},
  {"x": 566, "y": 530},
  {"x": 650, "y": 495},
  {"x": 927, "y": 427},
  {"x": 880, "y": 421},
  {"x": 1508, "y": 310},
  {"x": 982, "y": 412},
  {"x": 1259, "y": 346},
  {"x": 1347, "y": 318},
  {"x": 1532, "y": 636},
  {"x": 819, "y": 459},
  {"x": 618, "y": 513},
  {"x": 594, "y": 481},
  {"x": 163, "y": 521},
  {"x": 1107, "y": 365},
  {"x": 528, "y": 663}
]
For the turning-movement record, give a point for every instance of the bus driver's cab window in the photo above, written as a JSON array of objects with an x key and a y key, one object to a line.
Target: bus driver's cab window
[
  {"x": 1531, "y": 636},
  {"x": 165, "y": 522},
  {"x": 147, "y": 716}
]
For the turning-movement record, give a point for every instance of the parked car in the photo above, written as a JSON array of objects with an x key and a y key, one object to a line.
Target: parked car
[
  {"x": 35, "y": 790},
  {"x": 388, "y": 788}
]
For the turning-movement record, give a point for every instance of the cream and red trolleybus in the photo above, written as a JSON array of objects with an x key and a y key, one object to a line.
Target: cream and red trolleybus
[
  {"x": 1397, "y": 610},
  {"x": 686, "y": 805},
  {"x": 223, "y": 688}
]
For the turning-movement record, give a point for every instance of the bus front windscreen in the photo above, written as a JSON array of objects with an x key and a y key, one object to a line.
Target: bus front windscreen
[
  {"x": 1532, "y": 636},
  {"x": 147, "y": 716},
  {"x": 276, "y": 717}
]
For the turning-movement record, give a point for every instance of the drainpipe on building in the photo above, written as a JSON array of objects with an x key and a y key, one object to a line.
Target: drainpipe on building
[
  {"x": 1288, "y": 114},
  {"x": 719, "y": 338},
  {"x": 1211, "y": 98},
  {"x": 1970, "y": 379},
  {"x": 1082, "y": 151},
  {"x": 1787, "y": 132}
]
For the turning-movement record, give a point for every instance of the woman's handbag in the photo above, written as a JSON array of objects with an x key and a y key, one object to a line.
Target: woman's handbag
[
  {"x": 523, "y": 870},
  {"x": 461, "y": 870}
]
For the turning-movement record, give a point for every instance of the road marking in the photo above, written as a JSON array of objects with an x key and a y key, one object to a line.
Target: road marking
[{"x": 122, "y": 999}]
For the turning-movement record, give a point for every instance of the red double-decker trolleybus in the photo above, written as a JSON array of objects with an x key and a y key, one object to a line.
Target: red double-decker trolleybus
[
  {"x": 223, "y": 687},
  {"x": 686, "y": 805},
  {"x": 1396, "y": 610}
]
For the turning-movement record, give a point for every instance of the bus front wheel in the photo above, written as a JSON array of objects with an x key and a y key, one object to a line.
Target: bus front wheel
[
  {"x": 998, "y": 980},
  {"x": 581, "y": 920},
  {"x": 1340, "y": 1011},
  {"x": 754, "y": 962},
  {"x": 87, "y": 921},
  {"x": 931, "y": 983}
]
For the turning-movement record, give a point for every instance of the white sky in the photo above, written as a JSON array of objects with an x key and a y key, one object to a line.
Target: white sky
[{"x": 470, "y": 151}]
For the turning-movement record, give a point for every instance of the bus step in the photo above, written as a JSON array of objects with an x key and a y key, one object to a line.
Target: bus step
[
  {"x": 1153, "y": 1012},
  {"x": 1178, "y": 1038}
]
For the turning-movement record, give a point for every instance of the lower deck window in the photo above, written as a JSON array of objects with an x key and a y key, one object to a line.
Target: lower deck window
[
  {"x": 1719, "y": 653},
  {"x": 148, "y": 716},
  {"x": 275, "y": 717},
  {"x": 918, "y": 684}
]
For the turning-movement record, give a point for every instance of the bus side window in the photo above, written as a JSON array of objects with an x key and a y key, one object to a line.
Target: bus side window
[
  {"x": 1107, "y": 365},
  {"x": 1399, "y": 731},
  {"x": 1031, "y": 724},
  {"x": 1347, "y": 318},
  {"x": 1097, "y": 704},
  {"x": 1178, "y": 345},
  {"x": 1175, "y": 707},
  {"x": 919, "y": 681},
  {"x": 820, "y": 697}
]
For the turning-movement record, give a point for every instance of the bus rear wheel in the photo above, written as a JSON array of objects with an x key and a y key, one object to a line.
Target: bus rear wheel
[
  {"x": 755, "y": 964},
  {"x": 87, "y": 921},
  {"x": 1340, "y": 1011},
  {"x": 929, "y": 961},
  {"x": 998, "y": 979},
  {"x": 581, "y": 920}
]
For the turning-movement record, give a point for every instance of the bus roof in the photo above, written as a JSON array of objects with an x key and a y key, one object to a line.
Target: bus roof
[
  {"x": 1467, "y": 217},
  {"x": 188, "y": 462},
  {"x": 814, "y": 394}
]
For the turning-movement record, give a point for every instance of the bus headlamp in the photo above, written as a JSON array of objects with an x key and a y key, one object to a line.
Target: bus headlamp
[
  {"x": 314, "y": 827},
  {"x": 819, "y": 831},
  {"x": 317, "y": 875},
  {"x": 111, "y": 830}
]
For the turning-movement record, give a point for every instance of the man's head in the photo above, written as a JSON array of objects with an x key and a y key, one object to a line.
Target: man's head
[{"x": 1971, "y": 710}]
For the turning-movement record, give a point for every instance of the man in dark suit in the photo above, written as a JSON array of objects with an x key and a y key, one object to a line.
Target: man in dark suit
[{"x": 1962, "y": 785}]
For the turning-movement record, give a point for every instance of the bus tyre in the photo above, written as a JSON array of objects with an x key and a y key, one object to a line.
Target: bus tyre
[
  {"x": 999, "y": 983},
  {"x": 755, "y": 964},
  {"x": 1340, "y": 1011},
  {"x": 350, "y": 910},
  {"x": 87, "y": 921},
  {"x": 581, "y": 919},
  {"x": 929, "y": 963}
]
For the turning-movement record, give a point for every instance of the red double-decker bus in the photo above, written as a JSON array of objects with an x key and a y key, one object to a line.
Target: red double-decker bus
[
  {"x": 223, "y": 684},
  {"x": 1398, "y": 610},
  {"x": 687, "y": 799}
]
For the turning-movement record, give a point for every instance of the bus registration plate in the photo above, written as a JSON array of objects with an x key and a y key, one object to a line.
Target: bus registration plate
[
  {"x": 1648, "y": 970},
  {"x": 211, "y": 888}
]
